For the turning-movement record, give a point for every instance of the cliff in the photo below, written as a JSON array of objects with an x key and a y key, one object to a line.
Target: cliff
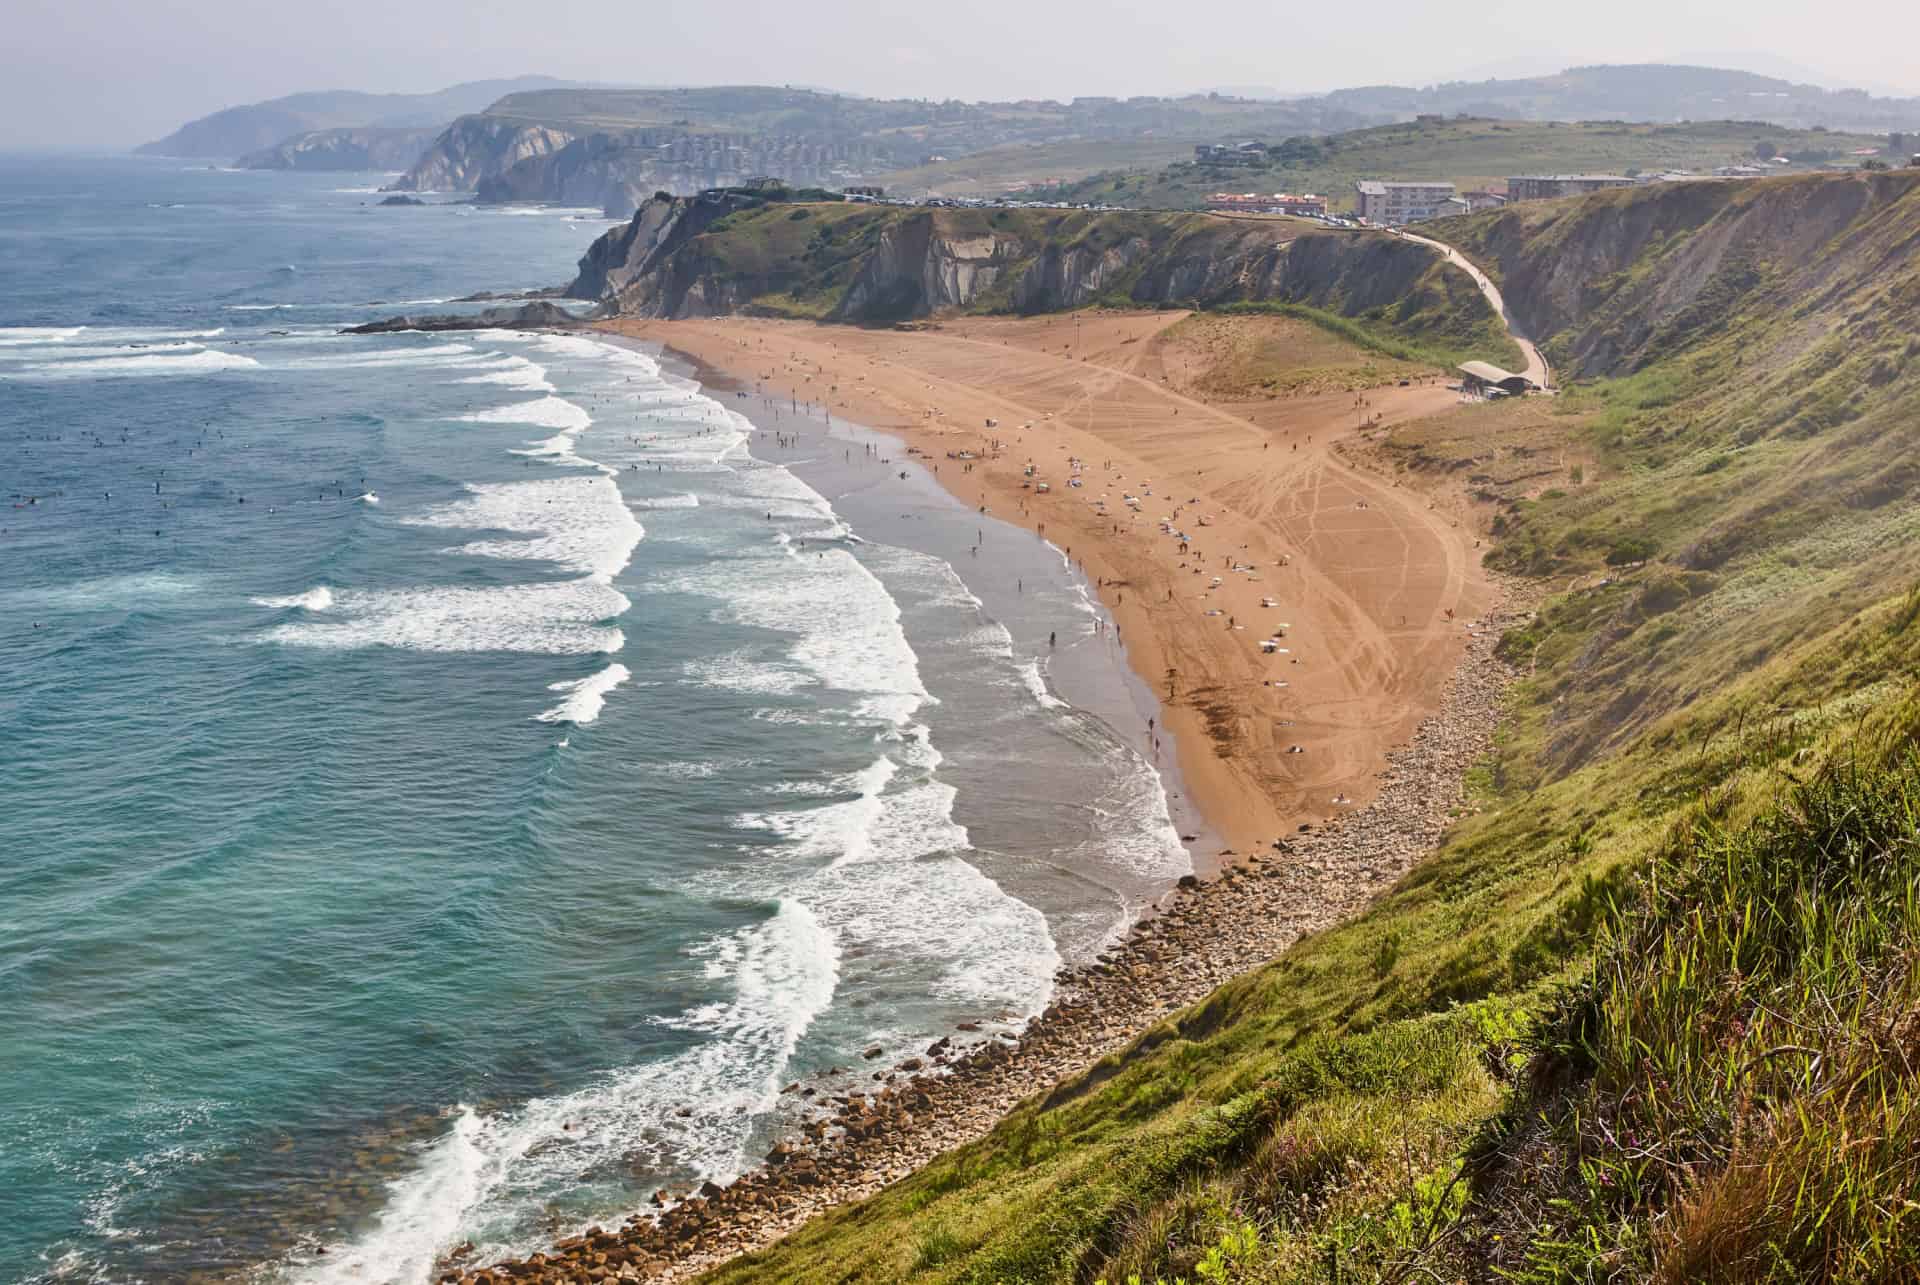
[
  {"x": 343, "y": 149},
  {"x": 740, "y": 252},
  {"x": 610, "y": 171},
  {"x": 474, "y": 147}
]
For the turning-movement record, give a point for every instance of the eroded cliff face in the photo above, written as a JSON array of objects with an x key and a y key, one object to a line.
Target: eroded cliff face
[
  {"x": 475, "y": 147},
  {"x": 608, "y": 171},
  {"x": 1615, "y": 281},
  {"x": 894, "y": 264}
]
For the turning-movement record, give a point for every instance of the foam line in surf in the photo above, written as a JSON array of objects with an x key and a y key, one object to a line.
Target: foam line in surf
[
  {"x": 561, "y": 618},
  {"x": 546, "y": 412},
  {"x": 581, "y": 523},
  {"x": 206, "y": 361}
]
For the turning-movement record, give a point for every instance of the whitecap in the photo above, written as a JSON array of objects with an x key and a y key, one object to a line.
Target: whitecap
[
  {"x": 318, "y": 598},
  {"x": 585, "y": 696}
]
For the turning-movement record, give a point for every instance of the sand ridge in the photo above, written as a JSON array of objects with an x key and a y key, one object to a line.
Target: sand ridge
[{"x": 1373, "y": 586}]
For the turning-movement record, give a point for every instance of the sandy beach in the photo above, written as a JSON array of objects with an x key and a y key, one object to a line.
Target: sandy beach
[{"x": 1371, "y": 584}]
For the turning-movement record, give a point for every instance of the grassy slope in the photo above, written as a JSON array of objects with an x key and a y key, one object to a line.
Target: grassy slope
[
  {"x": 1470, "y": 153},
  {"x": 1242, "y": 358},
  {"x": 1001, "y": 169},
  {"x": 1649, "y": 1010}
]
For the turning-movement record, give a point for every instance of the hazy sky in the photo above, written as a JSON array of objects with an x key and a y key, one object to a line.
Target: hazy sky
[{"x": 113, "y": 72}]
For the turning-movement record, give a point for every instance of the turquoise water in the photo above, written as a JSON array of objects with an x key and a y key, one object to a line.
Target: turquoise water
[{"x": 449, "y": 783}]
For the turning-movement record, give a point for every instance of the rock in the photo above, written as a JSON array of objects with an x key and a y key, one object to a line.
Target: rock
[
  {"x": 539, "y": 315},
  {"x": 874, "y": 1052},
  {"x": 403, "y": 200}
]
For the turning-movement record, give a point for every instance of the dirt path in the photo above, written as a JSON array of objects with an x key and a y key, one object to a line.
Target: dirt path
[
  {"x": 1371, "y": 585},
  {"x": 1537, "y": 369}
]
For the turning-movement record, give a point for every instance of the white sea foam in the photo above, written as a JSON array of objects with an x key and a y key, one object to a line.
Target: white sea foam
[
  {"x": 121, "y": 592},
  {"x": 742, "y": 671},
  {"x": 579, "y": 522},
  {"x": 547, "y": 412},
  {"x": 318, "y": 598},
  {"x": 668, "y": 502},
  {"x": 585, "y": 696},
  {"x": 206, "y": 361},
  {"x": 10, "y": 335},
  {"x": 564, "y": 617},
  {"x": 260, "y": 307},
  {"x": 1037, "y": 684},
  {"x": 493, "y": 1169},
  {"x": 895, "y": 886}
]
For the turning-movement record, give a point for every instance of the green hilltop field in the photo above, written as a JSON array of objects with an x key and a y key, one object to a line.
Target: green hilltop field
[
  {"x": 1470, "y": 153},
  {"x": 1652, "y": 1010}
]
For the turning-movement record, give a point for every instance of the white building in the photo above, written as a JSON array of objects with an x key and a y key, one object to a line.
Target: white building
[{"x": 1393, "y": 204}]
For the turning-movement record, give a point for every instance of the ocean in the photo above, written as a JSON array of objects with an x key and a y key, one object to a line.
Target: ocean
[{"x": 449, "y": 783}]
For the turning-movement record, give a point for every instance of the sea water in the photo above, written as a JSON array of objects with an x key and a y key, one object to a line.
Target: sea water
[{"x": 449, "y": 783}]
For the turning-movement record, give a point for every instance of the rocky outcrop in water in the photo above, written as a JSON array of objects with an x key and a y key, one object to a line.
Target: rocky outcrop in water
[
  {"x": 528, "y": 316},
  {"x": 475, "y": 147}
]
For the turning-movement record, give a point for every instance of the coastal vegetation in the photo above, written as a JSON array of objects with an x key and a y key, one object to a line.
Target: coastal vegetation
[{"x": 1647, "y": 1012}]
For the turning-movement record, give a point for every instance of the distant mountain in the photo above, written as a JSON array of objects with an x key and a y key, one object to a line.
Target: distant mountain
[
  {"x": 240, "y": 130},
  {"x": 1651, "y": 92}
]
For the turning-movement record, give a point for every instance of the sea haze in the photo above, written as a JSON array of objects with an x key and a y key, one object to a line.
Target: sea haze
[{"x": 453, "y": 782}]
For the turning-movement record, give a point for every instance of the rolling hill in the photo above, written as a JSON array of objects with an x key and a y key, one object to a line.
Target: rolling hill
[{"x": 235, "y": 131}]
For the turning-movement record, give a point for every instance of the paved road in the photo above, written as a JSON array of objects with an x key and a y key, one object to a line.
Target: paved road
[{"x": 1537, "y": 369}]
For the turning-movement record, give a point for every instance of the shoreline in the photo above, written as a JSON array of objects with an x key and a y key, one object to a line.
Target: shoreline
[
  {"x": 1206, "y": 937},
  {"x": 1253, "y": 905},
  {"x": 1083, "y": 680}
]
